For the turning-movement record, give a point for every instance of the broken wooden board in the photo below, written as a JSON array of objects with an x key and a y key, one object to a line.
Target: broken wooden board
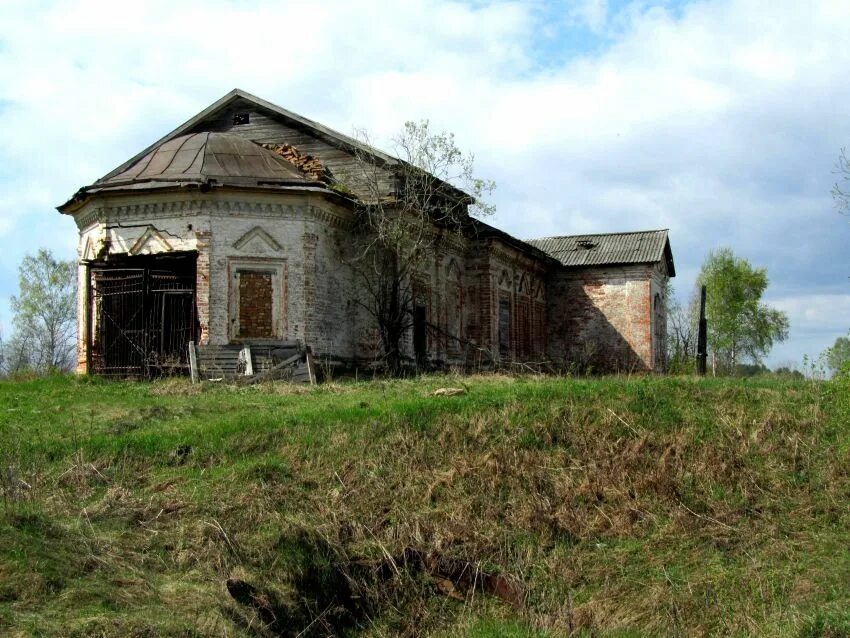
[{"x": 253, "y": 363}]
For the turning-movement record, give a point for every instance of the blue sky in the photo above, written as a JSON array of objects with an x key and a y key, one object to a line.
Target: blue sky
[{"x": 719, "y": 119}]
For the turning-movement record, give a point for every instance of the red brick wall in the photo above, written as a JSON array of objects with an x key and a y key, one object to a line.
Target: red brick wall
[
  {"x": 255, "y": 304},
  {"x": 313, "y": 319},
  {"x": 496, "y": 272},
  {"x": 601, "y": 318},
  {"x": 202, "y": 285}
]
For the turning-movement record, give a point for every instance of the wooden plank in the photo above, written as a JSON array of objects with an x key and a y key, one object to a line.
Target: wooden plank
[
  {"x": 266, "y": 374},
  {"x": 193, "y": 362},
  {"x": 311, "y": 367},
  {"x": 245, "y": 355}
]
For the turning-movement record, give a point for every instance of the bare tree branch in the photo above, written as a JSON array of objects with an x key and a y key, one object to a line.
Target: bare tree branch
[{"x": 406, "y": 210}]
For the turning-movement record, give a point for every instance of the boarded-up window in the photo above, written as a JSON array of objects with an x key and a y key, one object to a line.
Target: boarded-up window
[
  {"x": 255, "y": 304},
  {"x": 504, "y": 326},
  {"x": 257, "y": 299}
]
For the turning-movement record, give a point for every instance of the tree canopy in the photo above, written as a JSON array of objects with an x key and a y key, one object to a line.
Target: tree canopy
[
  {"x": 44, "y": 315},
  {"x": 838, "y": 355},
  {"x": 405, "y": 212},
  {"x": 740, "y": 326}
]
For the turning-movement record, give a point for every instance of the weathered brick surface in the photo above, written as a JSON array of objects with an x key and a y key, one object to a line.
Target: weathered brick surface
[
  {"x": 202, "y": 284},
  {"x": 601, "y": 317},
  {"x": 255, "y": 305},
  {"x": 499, "y": 272}
]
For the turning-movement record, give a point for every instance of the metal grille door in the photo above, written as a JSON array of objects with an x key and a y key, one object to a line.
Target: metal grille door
[{"x": 143, "y": 321}]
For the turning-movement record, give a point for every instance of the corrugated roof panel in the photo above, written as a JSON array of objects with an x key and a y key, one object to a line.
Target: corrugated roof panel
[{"x": 599, "y": 250}]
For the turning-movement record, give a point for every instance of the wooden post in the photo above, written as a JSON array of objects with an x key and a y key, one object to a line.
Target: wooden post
[
  {"x": 311, "y": 366},
  {"x": 193, "y": 362},
  {"x": 245, "y": 357},
  {"x": 702, "y": 337}
]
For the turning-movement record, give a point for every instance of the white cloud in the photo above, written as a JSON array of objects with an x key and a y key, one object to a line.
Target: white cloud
[
  {"x": 720, "y": 119},
  {"x": 816, "y": 321},
  {"x": 591, "y": 13},
  {"x": 820, "y": 313}
]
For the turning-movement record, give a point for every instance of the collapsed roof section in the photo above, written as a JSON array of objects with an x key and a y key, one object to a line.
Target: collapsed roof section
[
  {"x": 230, "y": 116},
  {"x": 202, "y": 160}
]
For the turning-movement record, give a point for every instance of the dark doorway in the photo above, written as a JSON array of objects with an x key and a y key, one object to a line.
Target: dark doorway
[
  {"x": 141, "y": 313},
  {"x": 420, "y": 333}
]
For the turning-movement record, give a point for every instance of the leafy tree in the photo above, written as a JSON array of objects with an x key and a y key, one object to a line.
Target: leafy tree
[
  {"x": 406, "y": 209},
  {"x": 838, "y": 355},
  {"x": 682, "y": 326},
  {"x": 840, "y": 192},
  {"x": 789, "y": 372},
  {"x": 750, "y": 369},
  {"x": 44, "y": 315},
  {"x": 739, "y": 324}
]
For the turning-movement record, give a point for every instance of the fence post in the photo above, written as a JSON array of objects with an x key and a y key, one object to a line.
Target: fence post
[{"x": 702, "y": 338}]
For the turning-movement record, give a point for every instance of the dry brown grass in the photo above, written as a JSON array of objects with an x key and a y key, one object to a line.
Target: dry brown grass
[{"x": 648, "y": 506}]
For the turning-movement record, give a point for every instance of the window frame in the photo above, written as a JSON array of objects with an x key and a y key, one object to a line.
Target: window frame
[{"x": 277, "y": 268}]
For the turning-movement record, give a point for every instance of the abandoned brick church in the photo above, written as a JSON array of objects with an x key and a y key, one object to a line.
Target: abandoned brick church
[{"x": 228, "y": 231}]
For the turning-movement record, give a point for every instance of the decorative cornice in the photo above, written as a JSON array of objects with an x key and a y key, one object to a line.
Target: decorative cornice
[
  {"x": 332, "y": 217},
  {"x": 170, "y": 208},
  {"x": 517, "y": 259}
]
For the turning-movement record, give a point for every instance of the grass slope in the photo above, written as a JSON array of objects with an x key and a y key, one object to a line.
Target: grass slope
[{"x": 613, "y": 507}]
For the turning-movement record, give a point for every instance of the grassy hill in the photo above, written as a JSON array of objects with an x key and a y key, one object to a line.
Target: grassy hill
[{"x": 524, "y": 507}]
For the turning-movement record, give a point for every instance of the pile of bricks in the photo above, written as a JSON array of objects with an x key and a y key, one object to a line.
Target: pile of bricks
[{"x": 310, "y": 165}]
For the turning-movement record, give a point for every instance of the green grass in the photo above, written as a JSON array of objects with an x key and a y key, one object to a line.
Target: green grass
[{"x": 617, "y": 506}]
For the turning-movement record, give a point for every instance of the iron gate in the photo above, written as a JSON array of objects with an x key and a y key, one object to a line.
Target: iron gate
[{"x": 142, "y": 320}]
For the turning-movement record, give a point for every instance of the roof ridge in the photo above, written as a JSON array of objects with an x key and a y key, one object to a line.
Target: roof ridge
[
  {"x": 226, "y": 100},
  {"x": 627, "y": 232}
]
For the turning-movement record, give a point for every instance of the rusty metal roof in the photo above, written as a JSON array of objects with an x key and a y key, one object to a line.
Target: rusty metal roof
[
  {"x": 201, "y": 160},
  {"x": 333, "y": 137},
  {"x": 641, "y": 247},
  {"x": 201, "y": 157}
]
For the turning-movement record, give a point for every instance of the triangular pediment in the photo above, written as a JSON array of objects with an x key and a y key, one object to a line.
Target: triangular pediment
[
  {"x": 505, "y": 279},
  {"x": 257, "y": 241},
  {"x": 453, "y": 270},
  {"x": 150, "y": 243},
  {"x": 524, "y": 285}
]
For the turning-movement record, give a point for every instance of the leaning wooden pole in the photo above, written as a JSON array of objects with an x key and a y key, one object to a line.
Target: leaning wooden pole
[{"x": 702, "y": 337}]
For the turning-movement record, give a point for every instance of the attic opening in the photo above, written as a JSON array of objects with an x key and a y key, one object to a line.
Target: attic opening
[
  {"x": 141, "y": 315},
  {"x": 241, "y": 118}
]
